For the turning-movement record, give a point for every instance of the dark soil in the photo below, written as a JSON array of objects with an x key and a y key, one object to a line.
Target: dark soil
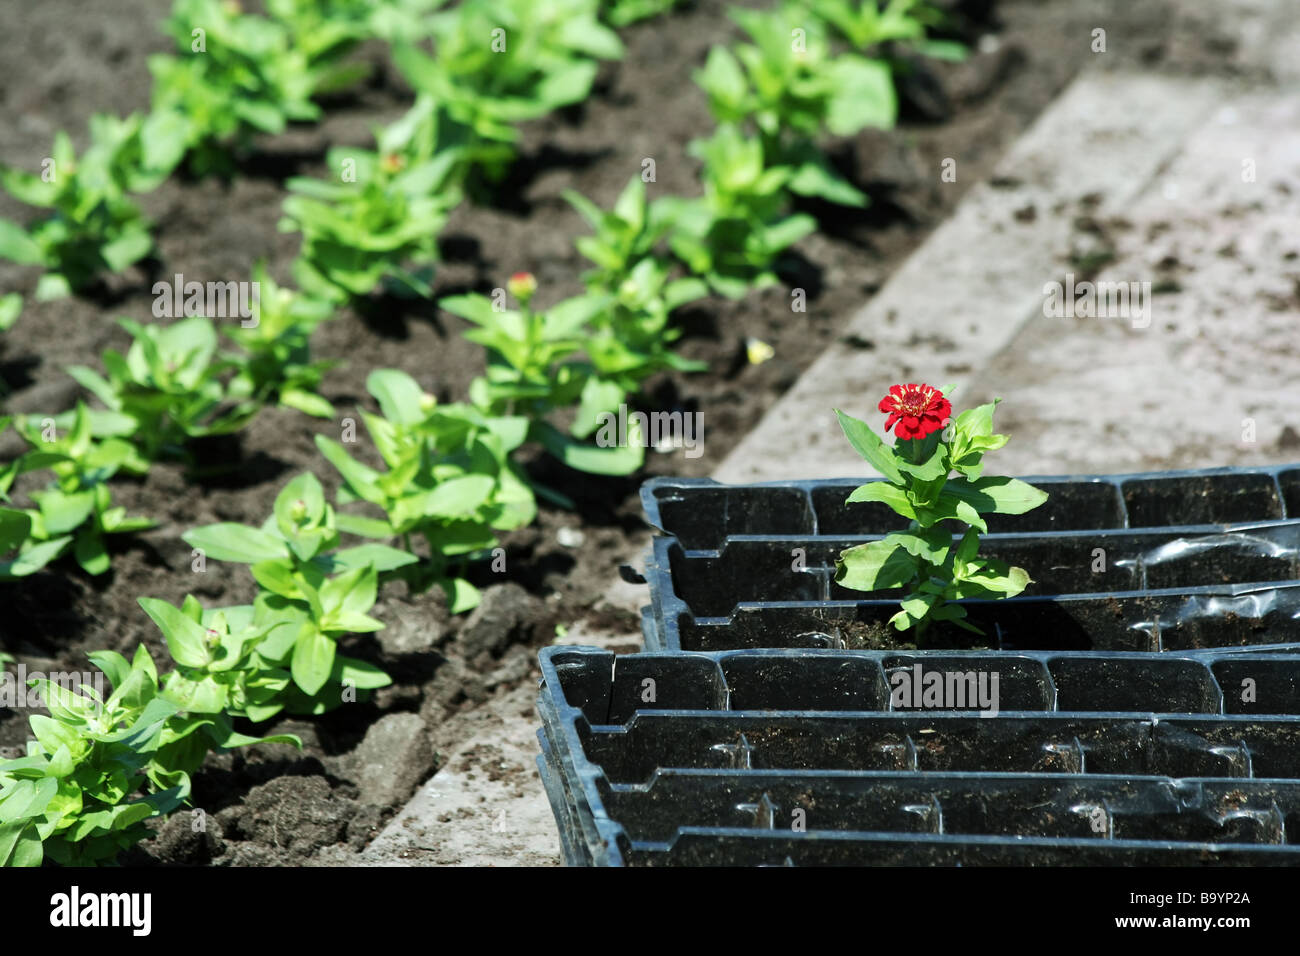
[
  {"x": 274, "y": 805},
  {"x": 878, "y": 636}
]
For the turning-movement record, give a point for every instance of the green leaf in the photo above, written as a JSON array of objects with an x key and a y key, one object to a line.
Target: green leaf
[
  {"x": 90, "y": 551},
  {"x": 52, "y": 735},
  {"x": 17, "y": 246},
  {"x": 52, "y": 286},
  {"x": 115, "y": 667},
  {"x": 313, "y": 659},
  {"x": 930, "y": 469},
  {"x": 307, "y": 402},
  {"x": 461, "y": 595},
  {"x": 870, "y": 447},
  {"x": 815, "y": 178},
  {"x": 202, "y": 696},
  {"x": 227, "y": 541},
  {"x": 885, "y": 493},
  {"x": 1009, "y": 496},
  {"x": 11, "y": 306},
  {"x": 360, "y": 674},
  {"x": 929, "y": 544},
  {"x": 951, "y": 507},
  {"x": 63, "y": 512},
  {"x": 126, "y": 249},
  {"x": 593, "y": 459},
  {"x": 15, "y": 525},
  {"x": 305, "y": 492},
  {"x": 277, "y": 577},
  {"x": 459, "y": 497},
  {"x": 996, "y": 577},
  {"x": 353, "y": 591},
  {"x": 977, "y": 421},
  {"x": 363, "y": 526},
  {"x": 875, "y": 566},
  {"x": 379, "y": 556},
  {"x": 186, "y": 640},
  {"x": 362, "y": 480},
  {"x": 970, "y": 543},
  {"x": 398, "y": 395}
]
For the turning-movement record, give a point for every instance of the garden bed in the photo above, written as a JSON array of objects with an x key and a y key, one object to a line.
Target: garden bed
[{"x": 277, "y": 805}]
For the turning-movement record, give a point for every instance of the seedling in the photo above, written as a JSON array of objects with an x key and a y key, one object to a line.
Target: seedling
[
  {"x": 624, "y": 236},
  {"x": 732, "y": 235},
  {"x": 311, "y": 595},
  {"x": 93, "y": 225},
  {"x": 449, "y": 481},
  {"x": 98, "y": 768},
  {"x": 77, "y": 507},
  {"x": 166, "y": 390},
  {"x": 234, "y": 75},
  {"x": 630, "y": 338},
  {"x": 865, "y": 24},
  {"x": 379, "y": 223},
  {"x": 498, "y": 63},
  {"x": 535, "y": 367},
  {"x": 277, "y": 365},
  {"x": 919, "y": 486},
  {"x": 795, "y": 91},
  {"x": 622, "y": 13}
]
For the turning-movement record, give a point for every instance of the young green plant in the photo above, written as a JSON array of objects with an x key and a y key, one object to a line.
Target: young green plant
[
  {"x": 167, "y": 389},
  {"x": 98, "y": 767},
  {"x": 920, "y": 486},
  {"x": 276, "y": 364},
  {"x": 535, "y": 367},
  {"x": 498, "y": 63},
  {"x": 378, "y": 222},
  {"x": 449, "y": 480},
  {"x": 93, "y": 226},
  {"x": 312, "y": 594},
  {"x": 793, "y": 89},
  {"x": 733, "y": 234},
  {"x": 76, "y": 509}
]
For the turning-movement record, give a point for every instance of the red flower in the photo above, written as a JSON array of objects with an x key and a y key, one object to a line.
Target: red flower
[{"x": 918, "y": 410}]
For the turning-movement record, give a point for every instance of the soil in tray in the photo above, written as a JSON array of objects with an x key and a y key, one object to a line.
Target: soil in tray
[
  {"x": 876, "y": 636},
  {"x": 274, "y": 805}
]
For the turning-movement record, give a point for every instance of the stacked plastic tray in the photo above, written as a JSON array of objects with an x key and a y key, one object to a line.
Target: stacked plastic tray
[{"x": 1140, "y": 706}]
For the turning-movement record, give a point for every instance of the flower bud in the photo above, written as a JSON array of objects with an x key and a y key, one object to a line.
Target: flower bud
[
  {"x": 214, "y": 637},
  {"x": 522, "y": 285},
  {"x": 298, "y": 510},
  {"x": 427, "y": 402},
  {"x": 391, "y": 163}
]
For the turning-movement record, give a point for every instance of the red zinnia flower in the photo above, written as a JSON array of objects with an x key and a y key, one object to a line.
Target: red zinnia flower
[{"x": 918, "y": 410}]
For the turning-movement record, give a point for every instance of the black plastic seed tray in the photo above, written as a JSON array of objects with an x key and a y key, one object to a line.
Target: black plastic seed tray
[
  {"x": 772, "y": 757},
  {"x": 1144, "y": 562},
  {"x": 1251, "y": 615},
  {"x": 766, "y": 568},
  {"x": 702, "y": 513}
]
